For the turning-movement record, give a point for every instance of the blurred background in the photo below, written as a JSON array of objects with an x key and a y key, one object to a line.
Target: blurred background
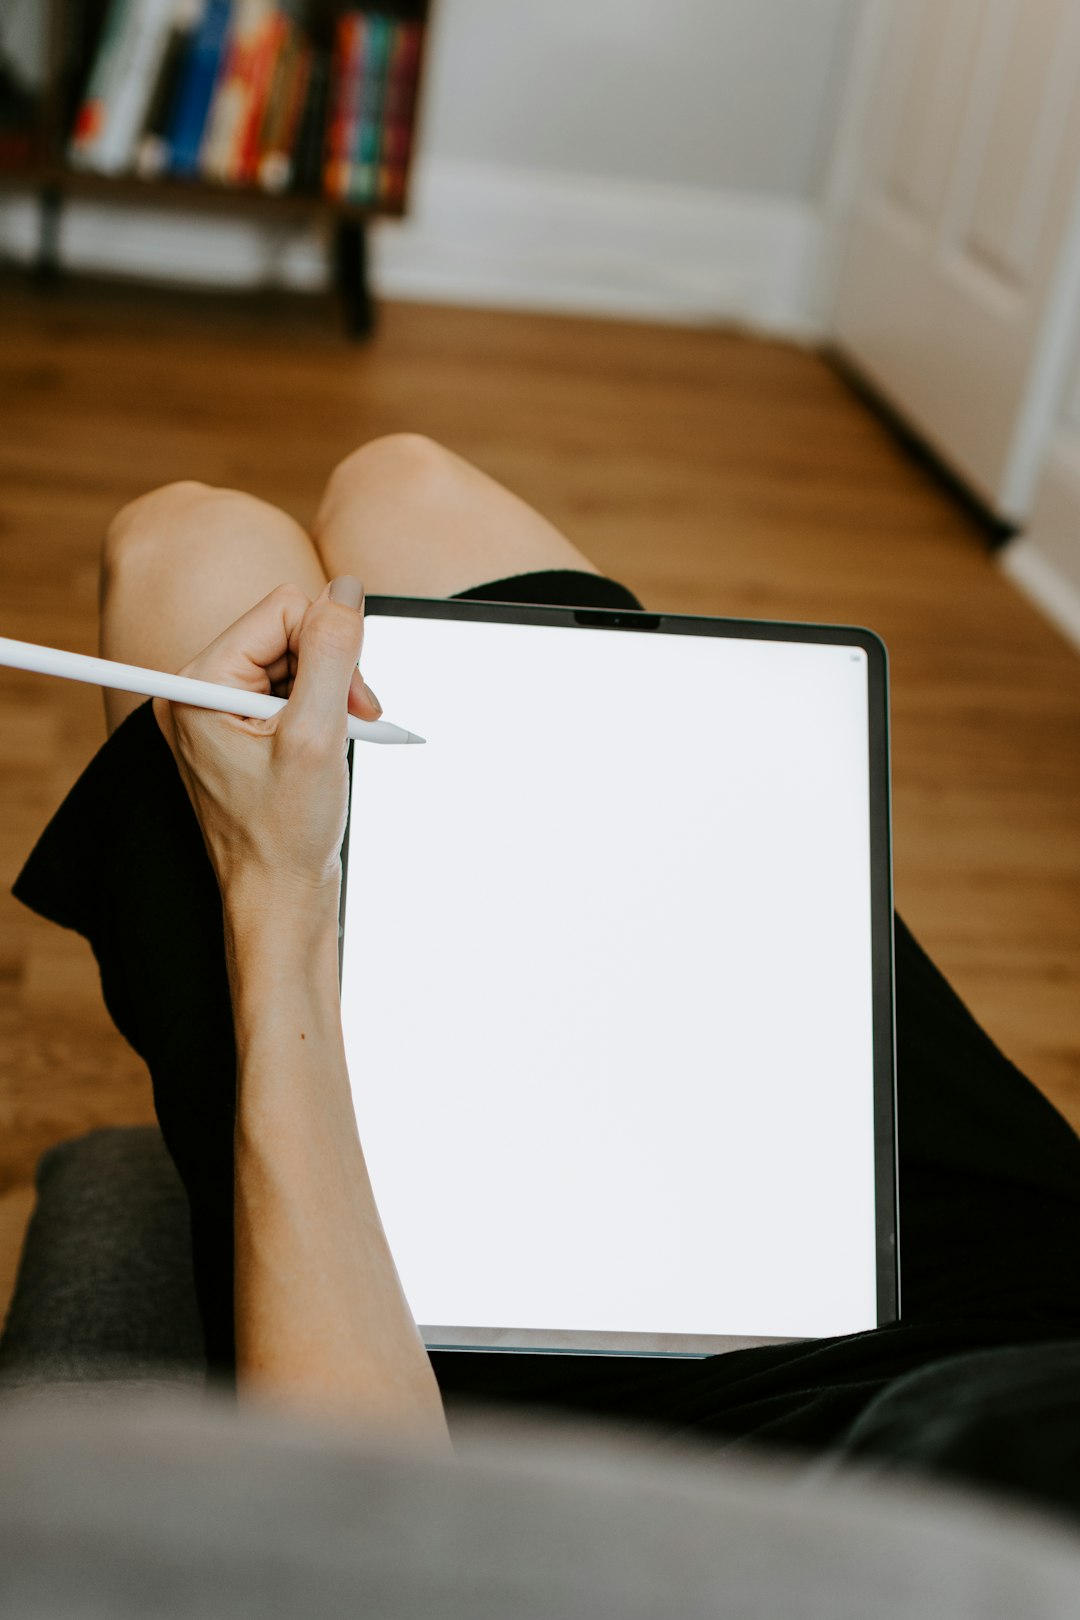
[{"x": 772, "y": 305}]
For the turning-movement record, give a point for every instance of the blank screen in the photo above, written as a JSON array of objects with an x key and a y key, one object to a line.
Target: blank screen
[{"x": 606, "y": 982}]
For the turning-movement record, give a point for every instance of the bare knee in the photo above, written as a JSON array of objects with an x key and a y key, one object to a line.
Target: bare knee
[
  {"x": 410, "y": 460},
  {"x": 163, "y": 518},
  {"x": 143, "y": 521}
]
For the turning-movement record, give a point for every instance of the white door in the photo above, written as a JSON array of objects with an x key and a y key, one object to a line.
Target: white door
[{"x": 959, "y": 283}]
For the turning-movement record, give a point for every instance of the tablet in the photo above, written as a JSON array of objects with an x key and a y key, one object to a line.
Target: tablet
[{"x": 616, "y": 977}]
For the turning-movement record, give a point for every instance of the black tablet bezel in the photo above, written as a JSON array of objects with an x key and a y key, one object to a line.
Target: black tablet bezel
[{"x": 631, "y": 621}]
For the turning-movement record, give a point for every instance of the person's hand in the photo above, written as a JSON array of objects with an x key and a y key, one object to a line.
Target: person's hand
[{"x": 271, "y": 795}]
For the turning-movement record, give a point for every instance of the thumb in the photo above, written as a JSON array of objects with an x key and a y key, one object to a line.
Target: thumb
[{"x": 327, "y": 653}]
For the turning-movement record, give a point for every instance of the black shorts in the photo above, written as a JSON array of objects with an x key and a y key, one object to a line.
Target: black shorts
[{"x": 989, "y": 1171}]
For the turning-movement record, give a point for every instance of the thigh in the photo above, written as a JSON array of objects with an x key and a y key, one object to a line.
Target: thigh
[
  {"x": 181, "y": 564},
  {"x": 410, "y": 518}
]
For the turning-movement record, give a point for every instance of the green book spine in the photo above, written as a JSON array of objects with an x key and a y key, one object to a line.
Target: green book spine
[{"x": 364, "y": 172}]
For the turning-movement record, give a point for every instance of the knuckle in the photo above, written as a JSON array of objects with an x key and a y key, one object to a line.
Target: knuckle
[{"x": 290, "y": 596}]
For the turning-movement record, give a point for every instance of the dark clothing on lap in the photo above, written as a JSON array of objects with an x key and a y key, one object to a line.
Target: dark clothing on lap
[
  {"x": 555, "y": 587},
  {"x": 978, "y": 1378}
]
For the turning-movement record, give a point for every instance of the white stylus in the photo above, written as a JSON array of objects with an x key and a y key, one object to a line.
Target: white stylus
[{"x": 180, "y": 688}]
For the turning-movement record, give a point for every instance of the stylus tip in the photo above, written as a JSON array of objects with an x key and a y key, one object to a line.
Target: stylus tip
[{"x": 413, "y": 738}]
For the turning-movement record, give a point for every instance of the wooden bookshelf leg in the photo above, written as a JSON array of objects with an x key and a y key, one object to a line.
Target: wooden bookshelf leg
[
  {"x": 351, "y": 274},
  {"x": 47, "y": 262}
]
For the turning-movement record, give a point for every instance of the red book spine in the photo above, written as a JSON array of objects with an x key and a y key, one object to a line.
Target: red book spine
[
  {"x": 400, "y": 111},
  {"x": 344, "y": 83},
  {"x": 260, "y": 72}
]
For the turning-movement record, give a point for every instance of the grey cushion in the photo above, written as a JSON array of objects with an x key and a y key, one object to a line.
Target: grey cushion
[
  {"x": 105, "y": 1287},
  {"x": 193, "y": 1509},
  {"x": 120, "y": 1504}
]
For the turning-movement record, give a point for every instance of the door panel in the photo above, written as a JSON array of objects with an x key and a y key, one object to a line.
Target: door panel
[
  {"x": 960, "y": 286},
  {"x": 930, "y": 110},
  {"x": 1008, "y": 214}
]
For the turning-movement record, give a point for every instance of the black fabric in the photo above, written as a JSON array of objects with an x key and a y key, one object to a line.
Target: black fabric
[
  {"x": 555, "y": 587},
  {"x": 123, "y": 863},
  {"x": 1004, "y": 1419},
  {"x": 989, "y": 1171}
]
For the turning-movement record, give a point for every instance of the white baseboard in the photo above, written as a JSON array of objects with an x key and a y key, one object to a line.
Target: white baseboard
[
  {"x": 518, "y": 239},
  {"x": 528, "y": 239},
  {"x": 1044, "y": 563},
  {"x": 1044, "y": 585}
]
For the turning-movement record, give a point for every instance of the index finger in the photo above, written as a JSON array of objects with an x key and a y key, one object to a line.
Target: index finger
[{"x": 253, "y": 652}]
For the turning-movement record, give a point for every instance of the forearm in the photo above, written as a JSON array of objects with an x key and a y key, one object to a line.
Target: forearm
[{"x": 321, "y": 1319}]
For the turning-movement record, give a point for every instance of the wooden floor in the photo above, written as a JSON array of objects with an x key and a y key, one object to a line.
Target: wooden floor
[{"x": 712, "y": 473}]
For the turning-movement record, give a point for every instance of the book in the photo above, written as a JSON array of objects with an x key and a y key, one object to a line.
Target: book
[
  {"x": 196, "y": 88},
  {"x": 346, "y": 76},
  {"x": 229, "y": 151},
  {"x": 391, "y": 108},
  {"x": 258, "y": 74},
  {"x": 399, "y": 111},
  {"x": 138, "y": 53},
  {"x": 280, "y": 140},
  {"x": 90, "y": 118},
  {"x": 228, "y": 102},
  {"x": 363, "y": 182},
  {"x": 152, "y": 148},
  {"x": 308, "y": 162},
  {"x": 274, "y": 93},
  {"x": 271, "y": 124}
]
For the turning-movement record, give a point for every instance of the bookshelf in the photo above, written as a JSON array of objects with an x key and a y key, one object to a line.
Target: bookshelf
[{"x": 326, "y": 30}]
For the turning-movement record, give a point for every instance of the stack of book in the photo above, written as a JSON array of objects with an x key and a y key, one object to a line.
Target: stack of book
[
  {"x": 371, "y": 110},
  {"x": 241, "y": 93}
]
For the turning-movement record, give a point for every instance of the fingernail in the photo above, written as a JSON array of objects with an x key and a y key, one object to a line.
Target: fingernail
[
  {"x": 372, "y": 698},
  {"x": 346, "y": 590}
]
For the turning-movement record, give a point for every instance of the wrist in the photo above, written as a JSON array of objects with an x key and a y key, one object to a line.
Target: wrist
[
  {"x": 278, "y": 931},
  {"x": 283, "y": 984},
  {"x": 282, "y": 955},
  {"x": 257, "y": 903}
]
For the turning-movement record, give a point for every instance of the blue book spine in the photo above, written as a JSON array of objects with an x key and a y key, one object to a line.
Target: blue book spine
[{"x": 196, "y": 87}]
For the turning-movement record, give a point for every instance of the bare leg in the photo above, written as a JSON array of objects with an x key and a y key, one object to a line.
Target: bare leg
[
  {"x": 410, "y": 518},
  {"x": 181, "y": 564},
  {"x": 407, "y": 516}
]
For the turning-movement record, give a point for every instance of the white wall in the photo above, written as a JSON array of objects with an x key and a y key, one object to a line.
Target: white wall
[
  {"x": 649, "y": 157},
  {"x": 721, "y": 94},
  {"x": 639, "y": 157}
]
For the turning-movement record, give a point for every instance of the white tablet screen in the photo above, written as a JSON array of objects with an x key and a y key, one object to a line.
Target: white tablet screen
[{"x": 606, "y": 981}]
